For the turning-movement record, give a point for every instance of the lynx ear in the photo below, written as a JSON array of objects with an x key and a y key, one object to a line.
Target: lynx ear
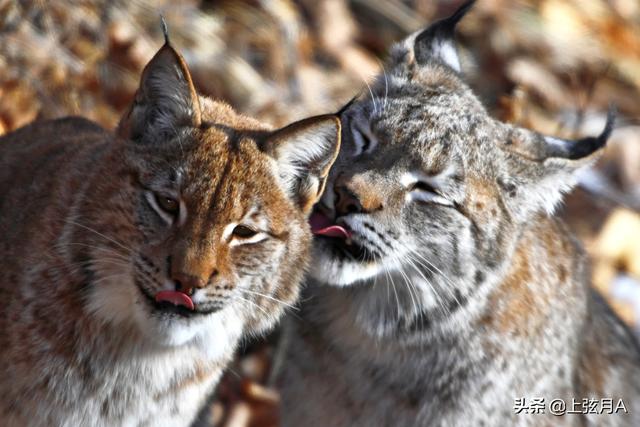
[
  {"x": 437, "y": 42},
  {"x": 165, "y": 101},
  {"x": 304, "y": 152},
  {"x": 541, "y": 167}
]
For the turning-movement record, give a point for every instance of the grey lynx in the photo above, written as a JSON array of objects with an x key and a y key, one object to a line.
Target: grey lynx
[
  {"x": 133, "y": 262},
  {"x": 443, "y": 291}
]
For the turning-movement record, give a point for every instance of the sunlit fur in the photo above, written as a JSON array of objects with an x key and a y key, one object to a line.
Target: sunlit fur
[
  {"x": 470, "y": 294},
  {"x": 85, "y": 248}
]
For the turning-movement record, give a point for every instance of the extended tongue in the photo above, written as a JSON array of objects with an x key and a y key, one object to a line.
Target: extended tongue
[
  {"x": 175, "y": 298},
  {"x": 322, "y": 226},
  {"x": 333, "y": 231}
]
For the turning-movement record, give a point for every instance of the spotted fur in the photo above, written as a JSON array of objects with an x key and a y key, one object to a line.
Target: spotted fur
[
  {"x": 86, "y": 244},
  {"x": 459, "y": 292}
]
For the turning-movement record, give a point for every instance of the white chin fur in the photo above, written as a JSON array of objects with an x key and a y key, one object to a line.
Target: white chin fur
[
  {"x": 329, "y": 270},
  {"x": 171, "y": 332},
  {"x": 217, "y": 333},
  {"x": 119, "y": 302}
]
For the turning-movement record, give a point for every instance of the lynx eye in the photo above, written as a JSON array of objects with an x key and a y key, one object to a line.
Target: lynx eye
[
  {"x": 244, "y": 232},
  {"x": 166, "y": 207},
  {"x": 167, "y": 204}
]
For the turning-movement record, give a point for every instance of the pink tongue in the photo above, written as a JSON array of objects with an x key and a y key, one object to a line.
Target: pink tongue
[
  {"x": 322, "y": 226},
  {"x": 175, "y": 298}
]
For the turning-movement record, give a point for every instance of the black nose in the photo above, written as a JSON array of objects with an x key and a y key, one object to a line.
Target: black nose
[{"x": 346, "y": 202}]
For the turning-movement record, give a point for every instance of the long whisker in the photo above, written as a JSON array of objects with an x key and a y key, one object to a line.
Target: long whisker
[
  {"x": 111, "y": 251},
  {"x": 109, "y": 277},
  {"x": 429, "y": 265},
  {"x": 386, "y": 90},
  {"x": 252, "y": 303},
  {"x": 99, "y": 234},
  {"x": 114, "y": 261},
  {"x": 271, "y": 298},
  {"x": 443, "y": 308},
  {"x": 386, "y": 85},
  {"x": 416, "y": 264},
  {"x": 373, "y": 98},
  {"x": 375, "y": 282},
  {"x": 74, "y": 265},
  {"x": 410, "y": 287},
  {"x": 393, "y": 287}
]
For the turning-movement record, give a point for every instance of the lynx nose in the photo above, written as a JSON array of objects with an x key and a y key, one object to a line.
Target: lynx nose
[
  {"x": 188, "y": 283},
  {"x": 355, "y": 196},
  {"x": 346, "y": 201}
]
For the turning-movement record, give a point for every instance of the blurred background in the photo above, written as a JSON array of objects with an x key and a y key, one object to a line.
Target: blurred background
[{"x": 551, "y": 65}]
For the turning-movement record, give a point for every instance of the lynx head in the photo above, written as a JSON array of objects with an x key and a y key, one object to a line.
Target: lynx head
[
  {"x": 427, "y": 183},
  {"x": 200, "y": 221}
]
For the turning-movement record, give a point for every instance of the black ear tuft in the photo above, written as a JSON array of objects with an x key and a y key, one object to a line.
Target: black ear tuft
[
  {"x": 453, "y": 20},
  {"x": 437, "y": 40},
  {"x": 165, "y": 29},
  {"x": 165, "y": 101},
  {"x": 585, "y": 146}
]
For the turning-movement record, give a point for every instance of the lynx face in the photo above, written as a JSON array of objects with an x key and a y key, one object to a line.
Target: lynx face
[
  {"x": 204, "y": 230},
  {"x": 428, "y": 189}
]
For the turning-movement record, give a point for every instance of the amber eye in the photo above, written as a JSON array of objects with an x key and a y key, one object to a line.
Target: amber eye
[
  {"x": 168, "y": 204},
  {"x": 244, "y": 232}
]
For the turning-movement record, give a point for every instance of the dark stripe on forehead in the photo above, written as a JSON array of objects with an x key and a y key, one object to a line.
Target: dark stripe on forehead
[{"x": 215, "y": 204}]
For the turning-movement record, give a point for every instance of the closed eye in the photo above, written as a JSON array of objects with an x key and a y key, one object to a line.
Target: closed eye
[
  {"x": 421, "y": 191},
  {"x": 423, "y": 186}
]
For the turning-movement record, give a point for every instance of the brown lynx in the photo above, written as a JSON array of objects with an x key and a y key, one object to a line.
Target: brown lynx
[
  {"x": 443, "y": 292},
  {"x": 132, "y": 263}
]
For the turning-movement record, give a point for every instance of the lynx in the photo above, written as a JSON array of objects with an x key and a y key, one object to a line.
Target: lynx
[
  {"x": 133, "y": 262},
  {"x": 443, "y": 292}
]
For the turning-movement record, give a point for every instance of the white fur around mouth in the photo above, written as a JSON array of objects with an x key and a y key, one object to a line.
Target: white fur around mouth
[
  {"x": 343, "y": 270},
  {"x": 169, "y": 308}
]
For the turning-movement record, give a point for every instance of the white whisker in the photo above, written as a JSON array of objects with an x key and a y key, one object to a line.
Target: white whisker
[
  {"x": 100, "y": 234},
  {"x": 410, "y": 288},
  {"x": 393, "y": 287},
  {"x": 429, "y": 267},
  {"x": 109, "y": 277},
  {"x": 271, "y": 298},
  {"x": 252, "y": 303},
  {"x": 111, "y": 251},
  {"x": 436, "y": 294},
  {"x": 386, "y": 85}
]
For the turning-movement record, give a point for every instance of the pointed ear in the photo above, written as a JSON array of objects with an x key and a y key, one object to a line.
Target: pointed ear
[
  {"x": 437, "y": 42},
  {"x": 165, "y": 101},
  {"x": 542, "y": 168},
  {"x": 304, "y": 152}
]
